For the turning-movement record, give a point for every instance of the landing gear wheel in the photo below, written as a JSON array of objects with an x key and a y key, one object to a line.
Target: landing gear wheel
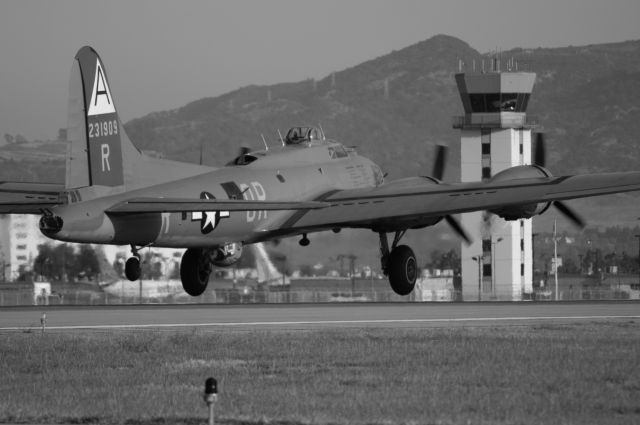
[
  {"x": 132, "y": 269},
  {"x": 195, "y": 269},
  {"x": 403, "y": 270}
]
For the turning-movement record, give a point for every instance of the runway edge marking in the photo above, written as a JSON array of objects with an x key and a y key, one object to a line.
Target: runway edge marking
[{"x": 319, "y": 322}]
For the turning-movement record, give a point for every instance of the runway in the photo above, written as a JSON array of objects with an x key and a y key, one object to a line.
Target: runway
[{"x": 312, "y": 316}]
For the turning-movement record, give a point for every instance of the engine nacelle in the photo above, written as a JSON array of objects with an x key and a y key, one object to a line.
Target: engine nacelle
[
  {"x": 50, "y": 224},
  {"x": 516, "y": 212},
  {"x": 227, "y": 255}
]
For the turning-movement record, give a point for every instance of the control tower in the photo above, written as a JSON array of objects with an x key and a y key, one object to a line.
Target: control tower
[{"x": 495, "y": 135}]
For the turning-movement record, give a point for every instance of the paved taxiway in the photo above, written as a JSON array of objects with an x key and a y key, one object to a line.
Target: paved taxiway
[{"x": 308, "y": 316}]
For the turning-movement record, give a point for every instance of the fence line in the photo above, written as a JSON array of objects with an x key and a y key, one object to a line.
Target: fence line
[{"x": 232, "y": 296}]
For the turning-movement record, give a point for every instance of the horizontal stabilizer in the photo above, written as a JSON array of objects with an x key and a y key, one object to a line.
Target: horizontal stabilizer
[
  {"x": 160, "y": 205},
  {"x": 28, "y": 198}
]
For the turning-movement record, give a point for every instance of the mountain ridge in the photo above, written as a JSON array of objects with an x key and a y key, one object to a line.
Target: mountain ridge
[{"x": 414, "y": 111}]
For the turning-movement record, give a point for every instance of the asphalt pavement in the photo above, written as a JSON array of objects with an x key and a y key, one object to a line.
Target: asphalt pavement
[{"x": 311, "y": 316}]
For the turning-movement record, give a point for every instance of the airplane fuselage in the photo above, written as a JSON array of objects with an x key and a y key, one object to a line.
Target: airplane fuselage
[{"x": 303, "y": 172}]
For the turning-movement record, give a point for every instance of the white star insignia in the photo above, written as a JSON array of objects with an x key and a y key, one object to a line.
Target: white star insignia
[{"x": 208, "y": 219}]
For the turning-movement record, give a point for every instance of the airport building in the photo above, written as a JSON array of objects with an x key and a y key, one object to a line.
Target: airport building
[
  {"x": 20, "y": 238},
  {"x": 495, "y": 135}
]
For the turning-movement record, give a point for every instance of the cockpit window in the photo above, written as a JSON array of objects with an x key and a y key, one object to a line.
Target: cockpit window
[
  {"x": 297, "y": 135},
  {"x": 244, "y": 159},
  {"x": 338, "y": 151}
]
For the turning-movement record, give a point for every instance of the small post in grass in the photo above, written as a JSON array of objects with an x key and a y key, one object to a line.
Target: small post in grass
[
  {"x": 43, "y": 321},
  {"x": 210, "y": 397}
]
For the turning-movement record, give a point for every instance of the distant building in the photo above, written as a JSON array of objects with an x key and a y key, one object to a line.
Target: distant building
[{"x": 20, "y": 237}]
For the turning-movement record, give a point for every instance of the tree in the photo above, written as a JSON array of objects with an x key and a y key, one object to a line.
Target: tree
[
  {"x": 151, "y": 266},
  {"x": 306, "y": 270},
  {"x": 118, "y": 265},
  {"x": 280, "y": 261},
  {"x": 87, "y": 262},
  {"x": 61, "y": 261},
  {"x": 54, "y": 263},
  {"x": 43, "y": 261},
  {"x": 8, "y": 138},
  {"x": 569, "y": 266},
  {"x": 449, "y": 260}
]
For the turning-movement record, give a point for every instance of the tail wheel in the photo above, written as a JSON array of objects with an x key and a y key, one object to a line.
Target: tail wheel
[
  {"x": 403, "y": 270},
  {"x": 194, "y": 271},
  {"x": 132, "y": 269}
]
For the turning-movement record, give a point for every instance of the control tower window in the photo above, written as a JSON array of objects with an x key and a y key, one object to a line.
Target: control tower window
[
  {"x": 493, "y": 102},
  {"x": 508, "y": 101},
  {"x": 477, "y": 102},
  {"x": 498, "y": 102}
]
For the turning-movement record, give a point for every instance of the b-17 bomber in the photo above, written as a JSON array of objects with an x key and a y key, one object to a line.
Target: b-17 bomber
[{"x": 115, "y": 194}]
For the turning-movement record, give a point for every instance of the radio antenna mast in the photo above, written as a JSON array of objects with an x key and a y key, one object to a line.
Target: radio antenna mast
[
  {"x": 322, "y": 131},
  {"x": 280, "y": 135}
]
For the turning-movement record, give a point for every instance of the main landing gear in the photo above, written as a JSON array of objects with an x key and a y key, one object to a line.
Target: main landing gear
[
  {"x": 399, "y": 264},
  {"x": 195, "y": 268},
  {"x": 132, "y": 269}
]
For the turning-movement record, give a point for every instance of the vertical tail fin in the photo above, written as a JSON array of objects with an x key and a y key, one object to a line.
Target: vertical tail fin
[{"x": 95, "y": 154}]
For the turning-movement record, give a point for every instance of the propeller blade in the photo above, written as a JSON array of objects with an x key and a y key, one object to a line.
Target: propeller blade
[
  {"x": 457, "y": 227},
  {"x": 438, "y": 165},
  {"x": 540, "y": 155},
  {"x": 570, "y": 214}
]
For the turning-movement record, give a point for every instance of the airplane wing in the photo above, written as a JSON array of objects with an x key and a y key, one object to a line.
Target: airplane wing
[
  {"x": 417, "y": 201},
  {"x": 159, "y": 205},
  {"x": 29, "y": 198}
]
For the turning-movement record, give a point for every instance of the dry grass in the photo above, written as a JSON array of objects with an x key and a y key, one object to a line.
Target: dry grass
[{"x": 553, "y": 374}]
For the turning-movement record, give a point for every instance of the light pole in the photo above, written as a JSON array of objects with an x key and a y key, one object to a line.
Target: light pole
[
  {"x": 555, "y": 257},
  {"x": 493, "y": 267},
  {"x": 480, "y": 260},
  {"x": 638, "y": 236}
]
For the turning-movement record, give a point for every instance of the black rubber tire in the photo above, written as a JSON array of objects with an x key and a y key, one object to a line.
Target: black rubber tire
[
  {"x": 132, "y": 269},
  {"x": 403, "y": 270},
  {"x": 194, "y": 274}
]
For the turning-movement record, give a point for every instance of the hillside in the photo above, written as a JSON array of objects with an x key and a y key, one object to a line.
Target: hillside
[{"x": 585, "y": 98}]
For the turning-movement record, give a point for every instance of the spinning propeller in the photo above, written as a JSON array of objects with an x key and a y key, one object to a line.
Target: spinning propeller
[
  {"x": 438, "y": 173},
  {"x": 540, "y": 159}
]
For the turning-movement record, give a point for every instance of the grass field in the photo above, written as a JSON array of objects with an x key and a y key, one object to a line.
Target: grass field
[{"x": 582, "y": 374}]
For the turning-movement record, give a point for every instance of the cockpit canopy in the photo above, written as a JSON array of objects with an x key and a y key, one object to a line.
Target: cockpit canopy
[{"x": 297, "y": 135}]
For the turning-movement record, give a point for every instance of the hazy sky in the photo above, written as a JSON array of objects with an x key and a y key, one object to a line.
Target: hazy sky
[{"x": 163, "y": 54}]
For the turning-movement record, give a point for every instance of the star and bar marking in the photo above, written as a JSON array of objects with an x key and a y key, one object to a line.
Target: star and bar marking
[{"x": 208, "y": 219}]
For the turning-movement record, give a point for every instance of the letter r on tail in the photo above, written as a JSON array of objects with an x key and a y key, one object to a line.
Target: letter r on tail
[{"x": 105, "y": 157}]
